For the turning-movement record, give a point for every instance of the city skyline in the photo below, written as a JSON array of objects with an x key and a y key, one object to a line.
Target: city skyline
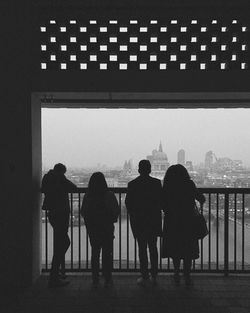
[{"x": 87, "y": 137}]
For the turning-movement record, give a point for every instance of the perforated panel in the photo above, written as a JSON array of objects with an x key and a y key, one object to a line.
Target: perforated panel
[{"x": 156, "y": 44}]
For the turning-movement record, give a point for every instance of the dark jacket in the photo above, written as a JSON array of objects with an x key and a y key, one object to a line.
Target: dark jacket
[{"x": 143, "y": 202}]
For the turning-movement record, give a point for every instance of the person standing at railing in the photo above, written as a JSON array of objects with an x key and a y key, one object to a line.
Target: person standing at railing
[
  {"x": 179, "y": 241},
  {"x": 100, "y": 211},
  {"x": 143, "y": 202},
  {"x": 56, "y": 187}
]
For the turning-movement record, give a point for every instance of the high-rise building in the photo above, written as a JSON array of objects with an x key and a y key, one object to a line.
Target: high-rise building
[
  {"x": 209, "y": 159},
  {"x": 181, "y": 157}
]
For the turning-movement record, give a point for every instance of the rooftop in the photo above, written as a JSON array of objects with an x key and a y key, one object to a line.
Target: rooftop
[{"x": 210, "y": 294}]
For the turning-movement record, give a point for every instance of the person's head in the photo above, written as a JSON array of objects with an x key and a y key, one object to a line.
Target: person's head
[
  {"x": 176, "y": 174},
  {"x": 60, "y": 169},
  {"x": 144, "y": 167},
  {"x": 97, "y": 184}
]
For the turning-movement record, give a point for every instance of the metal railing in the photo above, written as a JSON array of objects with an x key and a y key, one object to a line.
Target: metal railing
[{"x": 224, "y": 250}]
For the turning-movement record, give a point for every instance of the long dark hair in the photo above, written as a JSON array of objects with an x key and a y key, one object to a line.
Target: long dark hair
[
  {"x": 175, "y": 175},
  {"x": 97, "y": 184}
]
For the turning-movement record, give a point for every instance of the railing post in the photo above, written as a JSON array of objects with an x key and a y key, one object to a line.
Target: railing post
[{"x": 226, "y": 234}]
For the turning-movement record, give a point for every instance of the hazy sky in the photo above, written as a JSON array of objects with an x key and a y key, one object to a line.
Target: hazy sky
[{"x": 86, "y": 137}]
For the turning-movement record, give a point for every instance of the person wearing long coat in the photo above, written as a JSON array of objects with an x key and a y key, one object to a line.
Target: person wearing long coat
[
  {"x": 100, "y": 211},
  {"x": 179, "y": 241}
]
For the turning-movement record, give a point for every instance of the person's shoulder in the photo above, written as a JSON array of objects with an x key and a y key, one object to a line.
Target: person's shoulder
[
  {"x": 134, "y": 181},
  {"x": 155, "y": 180}
]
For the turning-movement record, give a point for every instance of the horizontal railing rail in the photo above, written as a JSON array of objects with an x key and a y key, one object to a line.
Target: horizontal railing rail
[{"x": 224, "y": 250}]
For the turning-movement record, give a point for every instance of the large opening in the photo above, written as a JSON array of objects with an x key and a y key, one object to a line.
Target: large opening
[{"x": 213, "y": 144}]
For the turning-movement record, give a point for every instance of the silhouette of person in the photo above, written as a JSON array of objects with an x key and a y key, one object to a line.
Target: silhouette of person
[
  {"x": 56, "y": 188},
  {"x": 100, "y": 211},
  {"x": 179, "y": 242},
  {"x": 143, "y": 202}
]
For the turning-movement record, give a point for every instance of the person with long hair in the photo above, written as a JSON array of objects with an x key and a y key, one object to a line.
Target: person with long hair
[
  {"x": 179, "y": 242},
  {"x": 100, "y": 211}
]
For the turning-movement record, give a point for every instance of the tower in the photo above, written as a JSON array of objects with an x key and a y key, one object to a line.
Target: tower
[{"x": 181, "y": 157}]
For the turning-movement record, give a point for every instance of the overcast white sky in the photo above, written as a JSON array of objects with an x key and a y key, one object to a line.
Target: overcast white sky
[{"x": 86, "y": 137}]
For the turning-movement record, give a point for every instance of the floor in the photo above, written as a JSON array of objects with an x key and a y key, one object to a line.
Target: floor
[{"x": 210, "y": 293}]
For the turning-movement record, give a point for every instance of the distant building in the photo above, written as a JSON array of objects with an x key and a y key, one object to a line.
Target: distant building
[
  {"x": 181, "y": 157},
  {"x": 159, "y": 162},
  {"x": 128, "y": 167},
  {"x": 209, "y": 160},
  {"x": 189, "y": 166}
]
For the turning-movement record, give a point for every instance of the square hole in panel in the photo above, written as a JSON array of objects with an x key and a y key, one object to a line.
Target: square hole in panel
[
  {"x": 234, "y": 21},
  {"x": 43, "y": 47},
  {"x": 72, "y": 57},
  {"x": 153, "y": 39},
  {"x": 43, "y": 66},
  {"x": 83, "y": 29},
  {"x": 123, "y": 48},
  {"x": 133, "y": 39},
  {"x": 193, "y": 57},
  {"x": 83, "y": 66},
  {"x": 103, "y": 66},
  {"x": 173, "y": 57},
  {"x": 153, "y": 22},
  {"x": 163, "y": 29},
  {"x": 183, "y": 29},
  {"x": 193, "y": 39},
  {"x": 174, "y": 22},
  {"x": 234, "y": 57},
  {"x": 103, "y": 48},
  {"x": 143, "y": 29},
  {"x": 223, "y": 66},
  {"x": 143, "y": 48},
  {"x": 243, "y": 47},
  {"x": 213, "y": 57},
  {"x": 203, "y": 47},
  {"x": 214, "y": 39},
  {"x": 133, "y": 22},
  {"x": 143, "y": 66},
  {"x": 63, "y": 47},
  {"x": 72, "y": 21},
  {"x": 93, "y": 57},
  {"x": 243, "y": 66},
  {"x": 203, "y": 29},
  {"x": 163, "y": 66},
  {"x": 63, "y": 29},
  {"x": 123, "y": 29},
  {"x": 234, "y": 39},
  {"x": 183, "y": 48},
  {"x": 93, "y": 39},
  {"x": 113, "y": 58},
  {"x": 133, "y": 58},
  {"x": 203, "y": 66},
  {"x": 153, "y": 58},
  {"x": 52, "y": 39},
  {"x": 52, "y": 22},
  {"x": 214, "y": 21},
  {"x": 194, "y": 22},
  {"x": 223, "y": 29},
  {"x": 113, "y": 39},
  {"x": 92, "y": 22},
  {"x": 244, "y": 28},
  {"x": 113, "y": 22},
  {"x": 123, "y": 66},
  {"x": 83, "y": 47},
  {"x": 43, "y": 29},
  {"x": 72, "y": 39},
  {"x": 63, "y": 66},
  {"x": 183, "y": 66},
  {"x": 163, "y": 47},
  {"x": 173, "y": 39},
  {"x": 223, "y": 47},
  {"x": 53, "y": 57},
  {"x": 103, "y": 29}
]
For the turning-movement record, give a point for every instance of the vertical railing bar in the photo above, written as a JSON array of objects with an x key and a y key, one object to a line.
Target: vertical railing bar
[
  {"x": 209, "y": 229},
  {"x": 71, "y": 231},
  {"x": 79, "y": 230},
  {"x": 235, "y": 231},
  {"x": 135, "y": 254},
  {"x": 243, "y": 231},
  {"x": 160, "y": 250},
  {"x": 226, "y": 241},
  {"x": 168, "y": 264},
  {"x": 202, "y": 244},
  {"x": 87, "y": 249},
  {"x": 120, "y": 231},
  {"x": 217, "y": 231},
  {"x": 127, "y": 240},
  {"x": 46, "y": 239}
]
